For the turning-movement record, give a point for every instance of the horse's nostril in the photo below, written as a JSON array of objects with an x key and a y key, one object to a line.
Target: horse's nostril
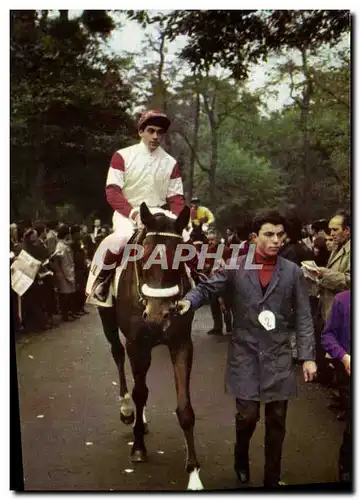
[
  {"x": 144, "y": 315},
  {"x": 166, "y": 315}
]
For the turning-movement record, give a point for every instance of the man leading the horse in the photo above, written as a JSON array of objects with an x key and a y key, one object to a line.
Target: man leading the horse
[{"x": 140, "y": 173}]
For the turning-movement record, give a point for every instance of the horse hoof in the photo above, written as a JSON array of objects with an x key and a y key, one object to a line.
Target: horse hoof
[
  {"x": 146, "y": 428},
  {"x": 138, "y": 456},
  {"x": 127, "y": 419}
]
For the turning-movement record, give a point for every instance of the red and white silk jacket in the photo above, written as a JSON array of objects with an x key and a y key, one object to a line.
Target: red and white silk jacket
[{"x": 136, "y": 175}]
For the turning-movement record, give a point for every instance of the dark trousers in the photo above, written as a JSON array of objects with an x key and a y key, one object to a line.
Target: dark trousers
[
  {"x": 342, "y": 384},
  {"x": 324, "y": 372},
  {"x": 216, "y": 314},
  {"x": 66, "y": 304},
  {"x": 248, "y": 414},
  {"x": 345, "y": 455}
]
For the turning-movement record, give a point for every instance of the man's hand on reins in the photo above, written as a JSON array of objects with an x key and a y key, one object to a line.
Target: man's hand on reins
[{"x": 183, "y": 306}]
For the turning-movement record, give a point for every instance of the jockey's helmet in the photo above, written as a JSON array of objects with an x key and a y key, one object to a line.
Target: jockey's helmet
[
  {"x": 154, "y": 117},
  {"x": 195, "y": 201}
]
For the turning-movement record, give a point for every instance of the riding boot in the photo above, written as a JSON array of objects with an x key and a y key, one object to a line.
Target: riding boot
[{"x": 102, "y": 284}]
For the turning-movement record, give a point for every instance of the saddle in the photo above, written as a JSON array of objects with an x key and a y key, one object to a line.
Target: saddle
[{"x": 113, "y": 288}]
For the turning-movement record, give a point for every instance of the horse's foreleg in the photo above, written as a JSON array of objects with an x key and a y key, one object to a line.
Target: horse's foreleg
[
  {"x": 109, "y": 323},
  {"x": 181, "y": 357},
  {"x": 140, "y": 360}
]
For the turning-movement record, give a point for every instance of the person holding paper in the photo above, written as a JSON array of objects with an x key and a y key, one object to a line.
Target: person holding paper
[
  {"x": 266, "y": 293},
  {"x": 335, "y": 277}
]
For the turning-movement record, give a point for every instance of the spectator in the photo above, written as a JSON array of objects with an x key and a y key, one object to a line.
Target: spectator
[
  {"x": 308, "y": 240},
  {"x": 319, "y": 228},
  {"x": 65, "y": 273},
  {"x": 101, "y": 235},
  {"x": 40, "y": 228},
  {"x": 336, "y": 276},
  {"x": 80, "y": 267},
  {"x": 88, "y": 242},
  {"x": 330, "y": 244},
  {"x": 321, "y": 252},
  {"x": 219, "y": 305},
  {"x": 231, "y": 237},
  {"x": 14, "y": 236},
  {"x": 294, "y": 249},
  {"x": 96, "y": 230},
  {"x": 34, "y": 299},
  {"x": 51, "y": 236},
  {"x": 336, "y": 342}
]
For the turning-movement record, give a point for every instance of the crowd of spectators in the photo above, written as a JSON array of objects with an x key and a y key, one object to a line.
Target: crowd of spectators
[{"x": 58, "y": 291}]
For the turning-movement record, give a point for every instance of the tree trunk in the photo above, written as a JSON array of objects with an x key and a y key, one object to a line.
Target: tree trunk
[
  {"x": 190, "y": 180},
  {"x": 304, "y": 123},
  {"x": 64, "y": 15},
  {"x": 213, "y": 165}
]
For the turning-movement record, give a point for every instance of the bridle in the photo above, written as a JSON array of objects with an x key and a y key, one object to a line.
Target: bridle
[{"x": 143, "y": 290}]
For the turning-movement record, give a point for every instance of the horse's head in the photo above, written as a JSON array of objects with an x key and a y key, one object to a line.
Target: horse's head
[{"x": 161, "y": 275}]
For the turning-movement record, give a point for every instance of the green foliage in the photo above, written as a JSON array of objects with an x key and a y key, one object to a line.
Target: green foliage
[
  {"x": 233, "y": 39},
  {"x": 68, "y": 110},
  {"x": 70, "y": 102}
]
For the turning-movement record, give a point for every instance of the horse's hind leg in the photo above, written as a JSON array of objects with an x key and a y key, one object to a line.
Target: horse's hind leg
[
  {"x": 181, "y": 357},
  {"x": 140, "y": 360},
  {"x": 109, "y": 323}
]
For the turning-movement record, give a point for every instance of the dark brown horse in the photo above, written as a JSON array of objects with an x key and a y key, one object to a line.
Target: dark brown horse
[{"x": 145, "y": 312}]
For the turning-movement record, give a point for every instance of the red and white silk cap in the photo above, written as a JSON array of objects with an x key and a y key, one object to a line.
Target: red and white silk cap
[{"x": 154, "y": 117}]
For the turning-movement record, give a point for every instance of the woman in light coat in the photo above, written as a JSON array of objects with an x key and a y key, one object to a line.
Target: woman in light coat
[{"x": 65, "y": 273}]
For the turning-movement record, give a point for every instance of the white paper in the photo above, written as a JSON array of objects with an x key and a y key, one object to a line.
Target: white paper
[
  {"x": 267, "y": 320},
  {"x": 23, "y": 272},
  {"x": 308, "y": 267}
]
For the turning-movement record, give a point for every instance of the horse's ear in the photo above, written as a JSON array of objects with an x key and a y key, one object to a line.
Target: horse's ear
[
  {"x": 146, "y": 216},
  {"x": 183, "y": 220}
]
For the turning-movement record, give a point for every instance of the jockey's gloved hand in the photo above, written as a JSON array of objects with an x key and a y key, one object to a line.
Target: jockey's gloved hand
[
  {"x": 183, "y": 306},
  {"x": 135, "y": 217}
]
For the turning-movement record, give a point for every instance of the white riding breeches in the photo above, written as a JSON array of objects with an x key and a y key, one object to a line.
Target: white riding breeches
[{"x": 124, "y": 228}]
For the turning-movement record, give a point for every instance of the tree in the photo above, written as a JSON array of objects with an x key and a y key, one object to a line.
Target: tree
[
  {"x": 68, "y": 110},
  {"x": 234, "y": 39}
]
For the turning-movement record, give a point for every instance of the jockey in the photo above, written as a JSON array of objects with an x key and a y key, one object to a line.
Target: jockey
[
  {"x": 200, "y": 215},
  {"x": 140, "y": 173}
]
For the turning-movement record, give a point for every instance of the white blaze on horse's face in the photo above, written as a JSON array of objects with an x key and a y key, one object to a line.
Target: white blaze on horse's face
[{"x": 158, "y": 310}]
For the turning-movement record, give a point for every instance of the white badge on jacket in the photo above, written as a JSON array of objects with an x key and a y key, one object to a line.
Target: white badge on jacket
[{"x": 267, "y": 320}]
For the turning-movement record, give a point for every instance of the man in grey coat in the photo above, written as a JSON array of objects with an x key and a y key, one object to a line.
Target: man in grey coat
[{"x": 267, "y": 292}]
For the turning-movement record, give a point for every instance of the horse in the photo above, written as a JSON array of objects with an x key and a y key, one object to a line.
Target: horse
[
  {"x": 198, "y": 237},
  {"x": 145, "y": 311}
]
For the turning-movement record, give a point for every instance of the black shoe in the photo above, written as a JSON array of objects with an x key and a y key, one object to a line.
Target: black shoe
[
  {"x": 67, "y": 318},
  {"x": 241, "y": 466},
  {"x": 228, "y": 322},
  {"x": 333, "y": 406},
  {"x": 214, "y": 331},
  {"x": 341, "y": 417},
  {"x": 345, "y": 477},
  {"x": 276, "y": 484},
  {"x": 243, "y": 476}
]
